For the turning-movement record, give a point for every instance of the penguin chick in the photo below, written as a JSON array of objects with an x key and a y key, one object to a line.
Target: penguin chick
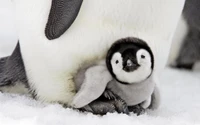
[
  {"x": 130, "y": 61},
  {"x": 128, "y": 73}
]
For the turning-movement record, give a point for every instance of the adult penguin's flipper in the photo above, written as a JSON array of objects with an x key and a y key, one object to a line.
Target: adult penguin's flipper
[{"x": 62, "y": 15}]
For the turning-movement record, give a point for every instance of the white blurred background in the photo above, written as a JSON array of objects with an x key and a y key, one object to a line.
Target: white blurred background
[{"x": 8, "y": 35}]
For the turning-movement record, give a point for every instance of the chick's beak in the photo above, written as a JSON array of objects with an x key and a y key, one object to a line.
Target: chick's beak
[{"x": 130, "y": 65}]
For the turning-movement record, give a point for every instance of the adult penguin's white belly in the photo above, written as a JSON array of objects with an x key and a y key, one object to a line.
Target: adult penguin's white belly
[{"x": 51, "y": 64}]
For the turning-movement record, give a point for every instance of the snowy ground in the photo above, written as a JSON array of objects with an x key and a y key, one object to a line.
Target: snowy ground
[
  {"x": 180, "y": 97},
  {"x": 180, "y": 106}
]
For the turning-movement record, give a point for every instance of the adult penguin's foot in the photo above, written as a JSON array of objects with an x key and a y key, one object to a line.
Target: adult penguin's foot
[
  {"x": 137, "y": 109},
  {"x": 107, "y": 103}
]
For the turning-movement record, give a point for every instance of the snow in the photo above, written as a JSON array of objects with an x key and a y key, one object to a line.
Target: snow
[
  {"x": 180, "y": 105},
  {"x": 180, "y": 97}
]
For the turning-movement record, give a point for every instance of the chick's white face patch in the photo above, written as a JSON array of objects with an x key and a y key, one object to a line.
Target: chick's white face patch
[
  {"x": 140, "y": 74},
  {"x": 144, "y": 58},
  {"x": 117, "y": 62}
]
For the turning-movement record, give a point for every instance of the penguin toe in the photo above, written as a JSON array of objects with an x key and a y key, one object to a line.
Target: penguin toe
[
  {"x": 102, "y": 108},
  {"x": 137, "y": 109},
  {"x": 121, "y": 106},
  {"x": 109, "y": 94}
]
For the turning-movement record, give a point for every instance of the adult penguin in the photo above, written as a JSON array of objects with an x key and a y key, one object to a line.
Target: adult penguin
[
  {"x": 58, "y": 37},
  {"x": 186, "y": 48}
]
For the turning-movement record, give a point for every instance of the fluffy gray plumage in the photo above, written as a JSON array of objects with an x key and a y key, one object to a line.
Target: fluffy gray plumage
[
  {"x": 94, "y": 81},
  {"x": 97, "y": 78}
]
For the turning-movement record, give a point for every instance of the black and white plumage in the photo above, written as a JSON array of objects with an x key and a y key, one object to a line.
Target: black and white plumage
[
  {"x": 129, "y": 55},
  {"x": 56, "y": 37},
  {"x": 130, "y": 62}
]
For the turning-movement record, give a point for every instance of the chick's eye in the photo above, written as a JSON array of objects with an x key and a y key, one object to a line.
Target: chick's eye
[
  {"x": 142, "y": 56},
  {"x": 116, "y": 61}
]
